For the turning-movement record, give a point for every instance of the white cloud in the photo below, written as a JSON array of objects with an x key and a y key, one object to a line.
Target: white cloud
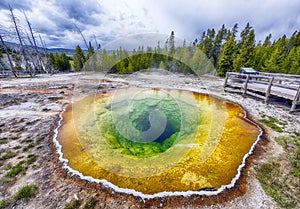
[{"x": 111, "y": 20}]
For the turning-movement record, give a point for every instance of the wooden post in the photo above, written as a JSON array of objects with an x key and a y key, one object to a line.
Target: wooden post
[
  {"x": 269, "y": 90},
  {"x": 246, "y": 85},
  {"x": 226, "y": 79},
  {"x": 295, "y": 101}
]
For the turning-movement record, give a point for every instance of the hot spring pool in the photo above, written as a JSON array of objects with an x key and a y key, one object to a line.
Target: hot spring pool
[{"x": 157, "y": 140}]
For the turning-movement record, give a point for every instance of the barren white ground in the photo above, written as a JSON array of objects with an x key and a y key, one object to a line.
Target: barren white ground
[{"x": 57, "y": 194}]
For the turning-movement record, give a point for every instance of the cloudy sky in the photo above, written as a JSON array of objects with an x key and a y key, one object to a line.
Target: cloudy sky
[{"x": 112, "y": 20}]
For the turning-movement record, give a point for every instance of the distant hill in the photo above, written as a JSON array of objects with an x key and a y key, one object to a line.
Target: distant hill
[{"x": 68, "y": 52}]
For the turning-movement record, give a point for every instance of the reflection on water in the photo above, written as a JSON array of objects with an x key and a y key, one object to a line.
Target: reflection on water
[{"x": 154, "y": 140}]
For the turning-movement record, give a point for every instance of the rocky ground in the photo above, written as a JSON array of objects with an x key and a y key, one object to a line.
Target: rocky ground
[{"x": 29, "y": 109}]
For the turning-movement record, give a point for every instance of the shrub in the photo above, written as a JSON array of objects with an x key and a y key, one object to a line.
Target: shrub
[
  {"x": 3, "y": 204},
  {"x": 73, "y": 205},
  {"x": 31, "y": 159},
  {"x": 15, "y": 170},
  {"x": 26, "y": 192},
  {"x": 90, "y": 203}
]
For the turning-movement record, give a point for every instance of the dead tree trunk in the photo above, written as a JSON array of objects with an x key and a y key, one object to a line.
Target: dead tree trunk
[
  {"x": 82, "y": 36},
  {"x": 97, "y": 45},
  {"x": 30, "y": 55},
  {"x": 9, "y": 58},
  {"x": 48, "y": 65},
  {"x": 22, "y": 49},
  {"x": 40, "y": 60}
]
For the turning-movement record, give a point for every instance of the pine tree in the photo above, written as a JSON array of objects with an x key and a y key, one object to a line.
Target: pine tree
[
  {"x": 203, "y": 36},
  {"x": 199, "y": 62},
  {"x": 260, "y": 57},
  {"x": 217, "y": 43},
  {"x": 275, "y": 61},
  {"x": 161, "y": 65},
  {"x": 79, "y": 58},
  {"x": 130, "y": 68},
  {"x": 51, "y": 59},
  {"x": 65, "y": 62},
  {"x": 244, "y": 34},
  {"x": 234, "y": 30},
  {"x": 297, "y": 40},
  {"x": 184, "y": 53},
  {"x": 225, "y": 63},
  {"x": 158, "y": 48},
  {"x": 207, "y": 44},
  {"x": 290, "y": 63},
  {"x": 245, "y": 57},
  {"x": 267, "y": 41},
  {"x": 171, "y": 43},
  {"x": 60, "y": 62},
  {"x": 91, "y": 51},
  {"x": 296, "y": 64}
]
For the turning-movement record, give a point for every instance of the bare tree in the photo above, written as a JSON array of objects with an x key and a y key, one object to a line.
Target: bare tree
[
  {"x": 81, "y": 36},
  {"x": 8, "y": 57},
  {"x": 49, "y": 64},
  {"x": 22, "y": 48},
  {"x": 39, "y": 58},
  {"x": 31, "y": 55},
  {"x": 98, "y": 55}
]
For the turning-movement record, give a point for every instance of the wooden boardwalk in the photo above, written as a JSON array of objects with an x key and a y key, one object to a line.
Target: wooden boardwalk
[{"x": 265, "y": 85}]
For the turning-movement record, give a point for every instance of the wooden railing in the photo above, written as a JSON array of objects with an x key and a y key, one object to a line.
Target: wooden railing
[{"x": 265, "y": 85}]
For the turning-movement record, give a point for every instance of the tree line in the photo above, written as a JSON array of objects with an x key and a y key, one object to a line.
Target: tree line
[
  {"x": 279, "y": 56},
  {"x": 183, "y": 59},
  {"x": 223, "y": 50},
  {"x": 215, "y": 51}
]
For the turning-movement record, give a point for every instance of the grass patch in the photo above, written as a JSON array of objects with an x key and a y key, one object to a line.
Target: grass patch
[
  {"x": 15, "y": 137},
  {"x": 3, "y": 140},
  {"x": 14, "y": 101},
  {"x": 26, "y": 192},
  {"x": 263, "y": 115},
  {"x": 28, "y": 147},
  {"x": 15, "y": 170},
  {"x": 8, "y": 155},
  {"x": 282, "y": 141},
  {"x": 296, "y": 158},
  {"x": 27, "y": 141},
  {"x": 39, "y": 139},
  {"x": 21, "y": 129},
  {"x": 269, "y": 176},
  {"x": 54, "y": 98},
  {"x": 7, "y": 181},
  {"x": 31, "y": 159},
  {"x": 90, "y": 203},
  {"x": 292, "y": 147},
  {"x": 274, "y": 123},
  {"x": 3, "y": 203},
  {"x": 283, "y": 188},
  {"x": 17, "y": 147},
  {"x": 297, "y": 134},
  {"x": 73, "y": 205},
  {"x": 21, "y": 120},
  {"x": 32, "y": 122}
]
